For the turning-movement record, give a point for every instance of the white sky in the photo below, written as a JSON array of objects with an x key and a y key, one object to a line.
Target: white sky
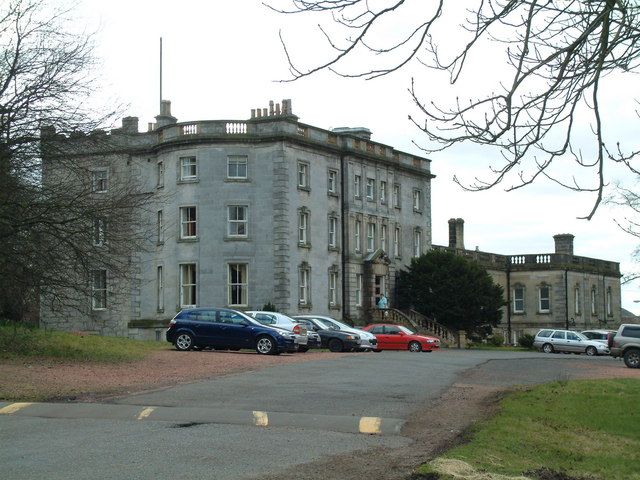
[{"x": 223, "y": 58}]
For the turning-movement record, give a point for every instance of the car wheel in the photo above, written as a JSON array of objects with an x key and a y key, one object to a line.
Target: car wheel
[
  {"x": 547, "y": 348},
  {"x": 591, "y": 351},
  {"x": 632, "y": 358},
  {"x": 415, "y": 346},
  {"x": 377, "y": 350},
  {"x": 302, "y": 349},
  {"x": 184, "y": 342},
  {"x": 335, "y": 345},
  {"x": 266, "y": 345}
]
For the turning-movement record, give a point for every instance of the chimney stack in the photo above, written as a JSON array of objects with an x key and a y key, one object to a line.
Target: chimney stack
[
  {"x": 165, "y": 117},
  {"x": 564, "y": 243},
  {"x": 456, "y": 233}
]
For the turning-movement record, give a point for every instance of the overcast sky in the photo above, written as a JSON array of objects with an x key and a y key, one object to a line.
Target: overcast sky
[{"x": 223, "y": 58}]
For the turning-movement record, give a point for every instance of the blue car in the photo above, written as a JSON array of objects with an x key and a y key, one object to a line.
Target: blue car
[{"x": 226, "y": 329}]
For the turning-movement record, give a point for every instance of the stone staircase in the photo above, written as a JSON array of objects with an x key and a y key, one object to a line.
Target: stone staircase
[{"x": 418, "y": 322}]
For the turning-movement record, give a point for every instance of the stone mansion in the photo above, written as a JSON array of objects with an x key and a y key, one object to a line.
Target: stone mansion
[{"x": 249, "y": 212}]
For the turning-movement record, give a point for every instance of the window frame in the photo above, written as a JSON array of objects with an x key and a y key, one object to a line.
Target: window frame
[
  {"x": 100, "y": 184},
  {"x": 577, "y": 300},
  {"x": 370, "y": 189},
  {"x": 417, "y": 242},
  {"x": 99, "y": 288},
  {"x": 160, "y": 288},
  {"x": 186, "y": 222},
  {"x": 358, "y": 290},
  {"x": 609, "y": 302},
  {"x": 541, "y": 298},
  {"x": 243, "y": 286},
  {"x": 358, "y": 235},
  {"x": 396, "y": 195},
  {"x": 193, "y": 287},
  {"x": 192, "y": 162},
  {"x": 357, "y": 185},
  {"x": 160, "y": 174},
  {"x": 160, "y": 227},
  {"x": 417, "y": 200},
  {"x": 514, "y": 303},
  {"x": 332, "y": 293},
  {"x": 303, "y": 227},
  {"x": 371, "y": 237},
  {"x": 99, "y": 232},
  {"x": 304, "y": 286},
  {"x": 332, "y": 182},
  {"x": 333, "y": 232},
  {"x": 594, "y": 300},
  {"x": 233, "y": 160},
  {"x": 238, "y": 222},
  {"x": 397, "y": 238},
  {"x": 303, "y": 175},
  {"x": 383, "y": 237},
  {"x": 383, "y": 192}
]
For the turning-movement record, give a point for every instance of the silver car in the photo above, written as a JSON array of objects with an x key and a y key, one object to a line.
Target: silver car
[
  {"x": 599, "y": 335},
  {"x": 552, "y": 340},
  {"x": 278, "y": 320},
  {"x": 368, "y": 341}
]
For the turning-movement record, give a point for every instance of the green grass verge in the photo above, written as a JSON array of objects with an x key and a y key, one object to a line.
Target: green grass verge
[
  {"x": 586, "y": 428},
  {"x": 21, "y": 342}
]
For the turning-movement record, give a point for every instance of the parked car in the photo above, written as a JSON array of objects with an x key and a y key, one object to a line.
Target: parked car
[
  {"x": 279, "y": 320},
  {"x": 625, "y": 343},
  {"x": 222, "y": 328},
  {"x": 551, "y": 340},
  {"x": 399, "y": 337},
  {"x": 333, "y": 339},
  {"x": 599, "y": 335},
  {"x": 368, "y": 341}
]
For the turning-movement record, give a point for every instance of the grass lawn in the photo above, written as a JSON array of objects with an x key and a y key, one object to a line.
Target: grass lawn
[
  {"x": 586, "y": 428},
  {"x": 21, "y": 342}
]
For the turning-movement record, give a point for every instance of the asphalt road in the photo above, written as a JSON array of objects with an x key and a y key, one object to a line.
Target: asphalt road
[{"x": 250, "y": 424}]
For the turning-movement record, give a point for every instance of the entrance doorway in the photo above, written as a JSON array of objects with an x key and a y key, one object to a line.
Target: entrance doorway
[{"x": 379, "y": 288}]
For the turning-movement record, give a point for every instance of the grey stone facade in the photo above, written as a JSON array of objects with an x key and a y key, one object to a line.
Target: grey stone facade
[
  {"x": 549, "y": 290},
  {"x": 230, "y": 197}
]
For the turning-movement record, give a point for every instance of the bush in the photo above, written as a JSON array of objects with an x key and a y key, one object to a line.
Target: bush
[
  {"x": 526, "y": 341},
  {"x": 496, "y": 340},
  {"x": 269, "y": 307}
]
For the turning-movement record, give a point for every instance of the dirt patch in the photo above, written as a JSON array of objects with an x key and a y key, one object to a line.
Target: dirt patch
[{"x": 40, "y": 379}]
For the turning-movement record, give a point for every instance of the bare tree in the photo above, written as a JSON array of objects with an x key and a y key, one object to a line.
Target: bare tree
[
  {"x": 557, "y": 52},
  {"x": 58, "y": 226}
]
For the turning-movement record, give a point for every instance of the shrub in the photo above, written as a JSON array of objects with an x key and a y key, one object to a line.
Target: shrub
[
  {"x": 526, "y": 341},
  {"x": 496, "y": 340},
  {"x": 269, "y": 307}
]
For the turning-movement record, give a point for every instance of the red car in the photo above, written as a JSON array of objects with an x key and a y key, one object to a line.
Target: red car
[{"x": 399, "y": 337}]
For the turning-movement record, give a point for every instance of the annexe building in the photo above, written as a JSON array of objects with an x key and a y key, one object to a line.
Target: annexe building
[
  {"x": 549, "y": 290},
  {"x": 267, "y": 210}
]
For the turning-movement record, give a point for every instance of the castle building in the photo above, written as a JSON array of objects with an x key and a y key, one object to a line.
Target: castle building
[
  {"x": 549, "y": 290},
  {"x": 257, "y": 211}
]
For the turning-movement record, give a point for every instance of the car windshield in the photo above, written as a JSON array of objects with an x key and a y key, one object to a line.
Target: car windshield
[{"x": 406, "y": 330}]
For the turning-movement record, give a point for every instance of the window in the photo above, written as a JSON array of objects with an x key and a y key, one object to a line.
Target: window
[
  {"x": 237, "y": 220},
  {"x": 188, "y": 222},
  {"x": 160, "y": 174},
  {"x": 187, "y": 285},
  {"x": 609, "y": 302},
  {"x": 160, "y": 289},
  {"x": 238, "y": 284},
  {"x": 396, "y": 195},
  {"x": 303, "y": 223},
  {"x": 333, "y": 228},
  {"x": 303, "y": 175},
  {"x": 559, "y": 335},
  {"x": 160, "y": 227},
  {"x": 237, "y": 167},
  {"x": 303, "y": 285},
  {"x": 333, "y": 295},
  {"x": 188, "y": 168},
  {"x": 358, "y": 289},
  {"x": 383, "y": 192},
  {"x": 371, "y": 236},
  {"x": 371, "y": 185},
  {"x": 358, "y": 229},
  {"x": 231, "y": 318},
  {"x": 518, "y": 299},
  {"x": 357, "y": 186},
  {"x": 99, "y": 289},
  {"x": 99, "y": 228},
  {"x": 383, "y": 237},
  {"x": 594, "y": 308},
  {"x": 99, "y": 181},
  {"x": 417, "y": 200},
  {"x": 332, "y": 182},
  {"x": 417, "y": 242},
  {"x": 544, "y": 301},
  {"x": 396, "y": 241},
  {"x": 577, "y": 300},
  {"x": 572, "y": 336}
]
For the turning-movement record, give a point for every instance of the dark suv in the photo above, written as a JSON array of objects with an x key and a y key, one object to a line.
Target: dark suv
[
  {"x": 625, "y": 343},
  {"x": 226, "y": 329}
]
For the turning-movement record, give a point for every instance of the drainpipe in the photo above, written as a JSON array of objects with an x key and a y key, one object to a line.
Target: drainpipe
[
  {"x": 343, "y": 234},
  {"x": 509, "y": 300},
  {"x": 604, "y": 301},
  {"x": 566, "y": 299}
]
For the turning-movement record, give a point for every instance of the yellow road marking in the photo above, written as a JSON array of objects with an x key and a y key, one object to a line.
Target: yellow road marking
[
  {"x": 370, "y": 424},
  {"x": 14, "y": 407},
  {"x": 146, "y": 412},
  {"x": 260, "y": 419}
]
